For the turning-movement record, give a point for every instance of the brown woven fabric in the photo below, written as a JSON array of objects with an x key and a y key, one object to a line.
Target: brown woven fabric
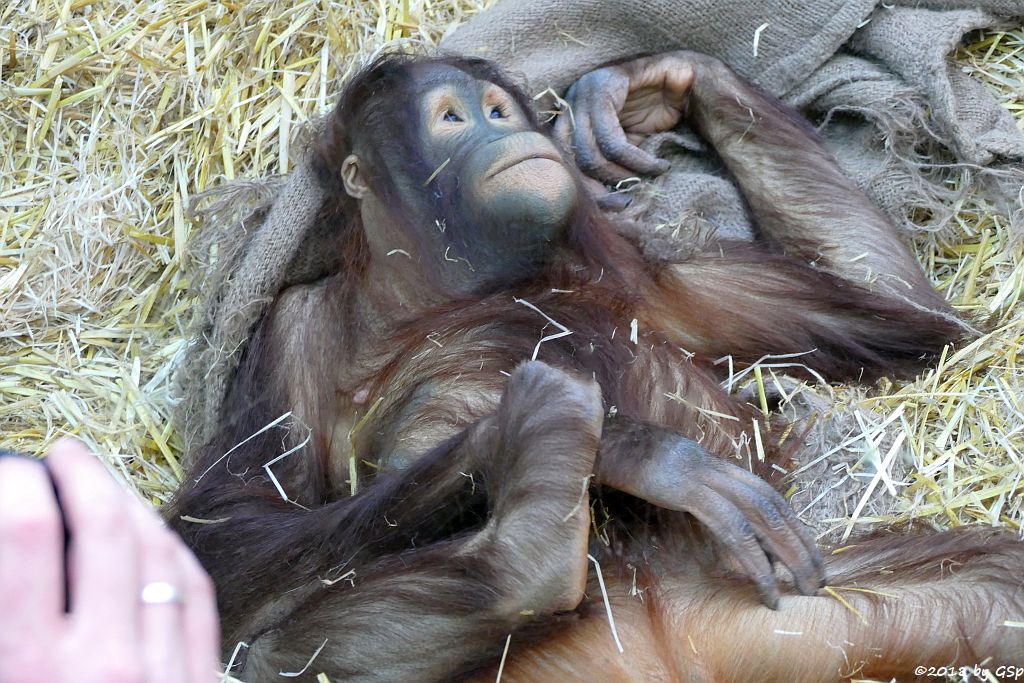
[{"x": 900, "y": 118}]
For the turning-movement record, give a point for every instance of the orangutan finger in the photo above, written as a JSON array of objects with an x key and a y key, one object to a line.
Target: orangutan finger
[
  {"x": 589, "y": 157},
  {"x": 614, "y": 145},
  {"x": 778, "y": 535},
  {"x": 801, "y": 540},
  {"x": 730, "y": 527}
]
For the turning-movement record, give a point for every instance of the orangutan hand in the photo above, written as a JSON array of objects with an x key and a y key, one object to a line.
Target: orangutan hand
[
  {"x": 615, "y": 107},
  {"x": 751, "y": 521}
]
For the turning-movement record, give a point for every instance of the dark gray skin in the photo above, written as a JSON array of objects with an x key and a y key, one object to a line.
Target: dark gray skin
[
  {"x": 532, "y": 438},
  {"x": 510, "y": 175}
]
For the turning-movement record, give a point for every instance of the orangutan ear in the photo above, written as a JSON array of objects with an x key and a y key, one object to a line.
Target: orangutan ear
[{"x": 352, "y": 176}]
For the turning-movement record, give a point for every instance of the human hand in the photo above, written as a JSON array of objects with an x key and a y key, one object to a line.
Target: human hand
[
  {"x": 111, "y": 632},
  {"x": 615, "y": 107}
]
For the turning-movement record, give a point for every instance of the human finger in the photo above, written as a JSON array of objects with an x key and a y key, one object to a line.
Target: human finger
[
  {"x": 161, "y": 599},
  {"x": 31, "y": 563},
  {"x": 103, "y": 562}
]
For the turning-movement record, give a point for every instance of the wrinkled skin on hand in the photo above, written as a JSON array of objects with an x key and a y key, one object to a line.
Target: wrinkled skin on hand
[
  {"x": 614, "y": 108},
  {"x": 751, "y": 521}
]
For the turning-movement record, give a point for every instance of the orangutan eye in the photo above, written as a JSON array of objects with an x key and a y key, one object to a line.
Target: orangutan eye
[{"x": 452, "y": 117}]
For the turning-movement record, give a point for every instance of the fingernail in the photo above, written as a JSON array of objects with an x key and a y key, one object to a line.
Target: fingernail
[{"x": 614, "y": 202}]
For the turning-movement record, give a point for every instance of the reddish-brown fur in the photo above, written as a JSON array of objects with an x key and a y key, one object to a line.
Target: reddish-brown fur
[{"x": 460, "y": 537}]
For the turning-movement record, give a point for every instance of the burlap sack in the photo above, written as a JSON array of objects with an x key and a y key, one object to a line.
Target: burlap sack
[{"x": 902, "y": 120}]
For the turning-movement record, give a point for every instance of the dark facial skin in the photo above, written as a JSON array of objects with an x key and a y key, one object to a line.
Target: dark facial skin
[
  {"x": 510, "y": 173},
  {"x": 500, "y": 189}
]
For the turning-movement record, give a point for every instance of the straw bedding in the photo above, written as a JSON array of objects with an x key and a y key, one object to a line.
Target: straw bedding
[{"x": 114, "y": 116}]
